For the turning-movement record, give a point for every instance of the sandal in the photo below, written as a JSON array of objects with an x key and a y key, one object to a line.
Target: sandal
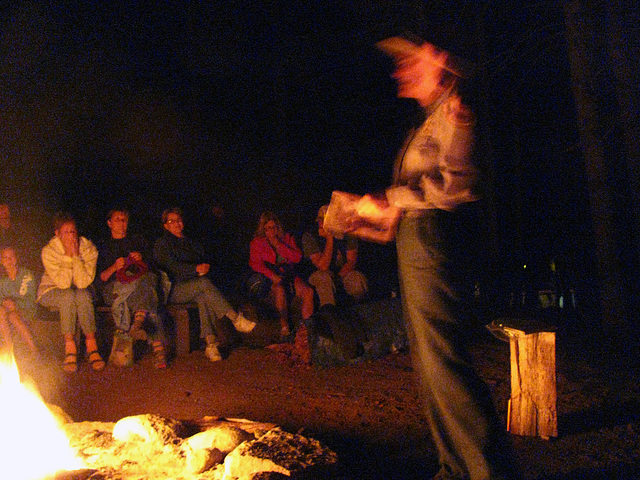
[
  {"x": 96, "y": 361},
  {"x": 160, "y": 359},
  {"x": 70, "y": 363}
]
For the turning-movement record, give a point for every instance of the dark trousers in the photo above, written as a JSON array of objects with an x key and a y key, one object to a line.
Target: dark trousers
[{"x": 434, "y": 260}]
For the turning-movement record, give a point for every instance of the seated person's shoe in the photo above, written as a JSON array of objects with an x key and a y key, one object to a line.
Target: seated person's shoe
[
  {"x": 96, "y": 361},
  {"x": 243, "y": 325},
  {"x": 159, "y": 357},
  {"x": 70, "y": 362},
  {"x": 212, "y": 352}
]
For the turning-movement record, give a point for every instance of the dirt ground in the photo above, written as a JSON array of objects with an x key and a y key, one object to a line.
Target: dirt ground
[{"x": 368, "y": 412}]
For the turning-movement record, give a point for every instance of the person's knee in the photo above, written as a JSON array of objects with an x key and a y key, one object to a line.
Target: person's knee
[
  {"x": 355, "y": 284},
  {"x": 83, "y": 297},
  {"x": 321, "y": 278}
]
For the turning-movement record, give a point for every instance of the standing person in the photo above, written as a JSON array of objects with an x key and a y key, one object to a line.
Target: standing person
[
  {"x": 334, "y": 261},
  {"x": 273, "y": 256},
  {"x": 69, "y": 269},
  {"x": 130, "y": 288},
  {"x": 184, "y": 261},
  {"x": 17, "y": 297},
  {"x": 435, "y": 185}
]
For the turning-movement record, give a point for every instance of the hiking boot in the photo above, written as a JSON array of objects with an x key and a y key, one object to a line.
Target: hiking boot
[
  {"x": 243, "y": 325},
  {"x": 212, "y": 352}
]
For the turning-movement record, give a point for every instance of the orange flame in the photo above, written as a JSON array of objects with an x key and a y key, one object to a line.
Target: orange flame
[{"x": 32, "y": 443}]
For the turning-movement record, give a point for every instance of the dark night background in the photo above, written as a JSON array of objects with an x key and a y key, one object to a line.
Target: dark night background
[{"x": 273, "y": 105}]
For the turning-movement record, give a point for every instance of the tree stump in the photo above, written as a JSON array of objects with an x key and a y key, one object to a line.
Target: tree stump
[{"x": 532, "y": 406}]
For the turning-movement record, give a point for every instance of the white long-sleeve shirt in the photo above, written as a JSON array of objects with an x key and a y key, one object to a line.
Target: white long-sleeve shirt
[{"x": 62, "y": 271}]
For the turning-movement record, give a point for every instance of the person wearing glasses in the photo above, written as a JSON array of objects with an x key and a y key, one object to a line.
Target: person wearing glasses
[
  {"x": 273, "y": 257},
  {"x": 185, "y": 262}
]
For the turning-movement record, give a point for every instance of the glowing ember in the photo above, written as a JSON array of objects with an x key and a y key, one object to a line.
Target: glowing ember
[{"x": 32, "y": 444}]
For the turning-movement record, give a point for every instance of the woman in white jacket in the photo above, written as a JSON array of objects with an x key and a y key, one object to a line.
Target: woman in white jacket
[{"x": 70, "y": 267}]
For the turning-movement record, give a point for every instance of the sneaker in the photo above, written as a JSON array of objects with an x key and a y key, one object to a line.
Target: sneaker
[
  {"x": 243, "y": 325},
  {"x": 212, "y": 352}
]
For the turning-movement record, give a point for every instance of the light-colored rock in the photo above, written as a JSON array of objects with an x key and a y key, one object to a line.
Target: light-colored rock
[
  {"x": 202, "y": 459},
  {"x": 281, "y": 452},
  {"x": 224, "y": 438},
  {"x": 153, "y": 429}
]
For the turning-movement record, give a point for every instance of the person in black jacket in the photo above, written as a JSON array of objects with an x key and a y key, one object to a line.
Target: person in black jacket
[{"x": 184, "y": 261}]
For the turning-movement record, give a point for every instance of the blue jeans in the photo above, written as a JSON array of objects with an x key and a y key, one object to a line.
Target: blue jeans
[
  {"x": 72, "y": 304},
  {"x": 434, "y": 258},
  {"x": 144, "y": 297},
  {"x": 212, "y": 305}
]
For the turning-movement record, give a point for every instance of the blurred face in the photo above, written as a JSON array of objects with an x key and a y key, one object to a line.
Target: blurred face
[
  {"x": 118, "y": 224},
  {"x": 174, "y": 224},
  {"x": 8, "y": 259},
  {"x": 419, "y": 75},
  {"x": 67, "y": 232},
  {"x": 270, "y": 229},
  {"x": 5, "y": 216}
]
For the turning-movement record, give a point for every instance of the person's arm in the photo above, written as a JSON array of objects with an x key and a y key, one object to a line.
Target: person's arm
[
  {"x": 257, "y": 260},
  {"x": 288, "y": 249},
  {"x": 84, "y": 264},
  {"x": 106, "y": 274},
  {"x": 322, "y": 260},
  {"x": 350, "y": 264},
  {"x": 57, "y": 265},
  {"x": 168, "y": 261}
]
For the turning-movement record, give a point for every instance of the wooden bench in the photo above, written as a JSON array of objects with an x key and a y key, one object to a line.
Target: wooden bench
[{"x": 182, "y": 334}]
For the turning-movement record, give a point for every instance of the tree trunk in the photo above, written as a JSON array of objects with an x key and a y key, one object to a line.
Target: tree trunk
[{"x": 583, "y": 46}]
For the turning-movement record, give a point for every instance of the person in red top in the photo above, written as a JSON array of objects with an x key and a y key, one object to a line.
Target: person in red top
[{"x": 273, "y": 255}]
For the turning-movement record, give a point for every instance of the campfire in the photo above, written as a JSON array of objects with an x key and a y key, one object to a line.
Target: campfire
[
  {"x": 40, "y": 443},
  {"x": 33, "y": 444}
]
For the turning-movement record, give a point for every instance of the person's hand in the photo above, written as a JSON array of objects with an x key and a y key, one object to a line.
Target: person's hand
[
  {"x": 323, "y": 233},
  {"x": 9, "y": 304},
  {"x": 202, "y": 268},
  {"x": 137, "y": 256},
  {"x": 71, "y": 246},
  {"x": 371, "y": 208},
  {"x": 119, "y": 263}
]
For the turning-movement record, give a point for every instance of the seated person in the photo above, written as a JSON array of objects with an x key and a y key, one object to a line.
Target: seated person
[
  {"x": 184, "y": 261},
  {"x": 334, "y": 261},
  {"x": 19, "y": 234},
  {"x": 69, "y": 262},
  {"x": 273, "y": 255},
  {"x": 17, "y": 297},
  {"x": 129, "y": 287}
]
